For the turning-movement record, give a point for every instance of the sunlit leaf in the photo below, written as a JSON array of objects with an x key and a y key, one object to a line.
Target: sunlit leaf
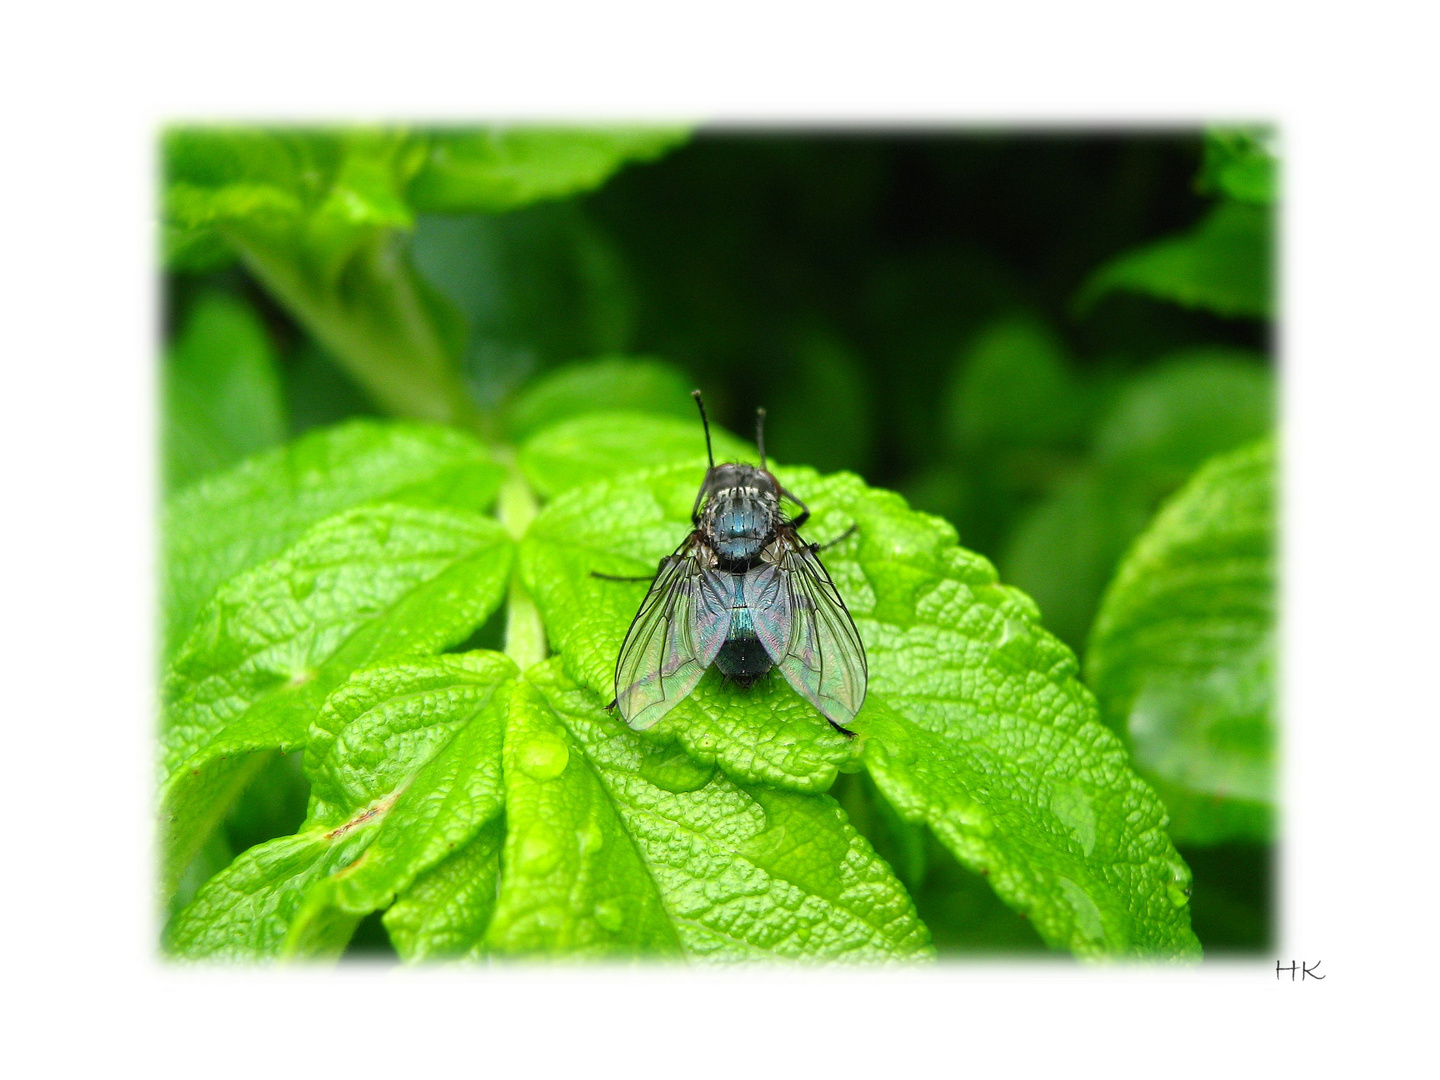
[
  {"x": 372, "y": 584},
  {"x": 405, "y": 766},
  {"x": 236, "y": 519},
  {"x": 975, "y": 722}
]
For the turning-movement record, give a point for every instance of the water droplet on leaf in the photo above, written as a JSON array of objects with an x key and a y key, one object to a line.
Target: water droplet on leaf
[
  {"x": 543, "y": 757},
  {"x": 609, "y": 915},
  {"x": 1178, "y": 889},
  {"x": 675, "y": 771},
  {"x": 590, "y": 837},
  {"x": 538, "y": 852},
  {"x": 1087, "y": 915}
]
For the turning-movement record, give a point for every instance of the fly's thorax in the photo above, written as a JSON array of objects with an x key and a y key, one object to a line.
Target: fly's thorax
[{"x": 741, "y": 512}]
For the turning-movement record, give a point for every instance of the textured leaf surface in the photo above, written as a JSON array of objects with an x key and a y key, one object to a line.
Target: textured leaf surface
[
  {"x": 1221, "y": 265},
  {"x": 573, "y": 882},
  {"x": 1182, "y": 654},
  {"x": 372, "y": 584},
  {"x": 501, "y": 168},
  {"x": 975, "y": 722},
  {"x": 445, "y": 914},
  {"x": 591, "y": 447},
  {"x": 245, "y": 911},
  {"x": 233, "y": 521},
  {"x": 651, "y": 848},
  {"x": 404, "y": 764},
  {"x": 222, "y": 391},
  {"x": 613, "y": 384}
]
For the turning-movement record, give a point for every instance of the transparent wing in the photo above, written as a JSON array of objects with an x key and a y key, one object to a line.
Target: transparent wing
[
  {"x": 803, "y": 625},
  {"x": 681, "y": 624}
]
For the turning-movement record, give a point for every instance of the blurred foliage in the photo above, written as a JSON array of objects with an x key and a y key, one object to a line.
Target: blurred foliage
[
  {"x": 1240, "y": 163},
  {"x": 223, "y": 397},
  {"x": 1182, "y": 653},
  {"x": 1038, "y": 337},
  {"x": 1220, "y": 265}
]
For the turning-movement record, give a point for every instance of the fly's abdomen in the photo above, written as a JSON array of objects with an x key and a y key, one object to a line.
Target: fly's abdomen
[{"x": 742, "y": 657}]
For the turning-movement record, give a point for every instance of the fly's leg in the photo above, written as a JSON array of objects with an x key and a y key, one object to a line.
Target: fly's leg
[
  {"x": 804, "y": 514},
  {"x": 618, "y": 577},
  {"x": 843, "y": 536},
  {"x": 843, "y": 731}
]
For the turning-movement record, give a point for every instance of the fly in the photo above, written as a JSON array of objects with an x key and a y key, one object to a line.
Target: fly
[{"x": 743, "y": 592}]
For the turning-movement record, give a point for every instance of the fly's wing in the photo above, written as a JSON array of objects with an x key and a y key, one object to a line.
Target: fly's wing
[
  {"x": 803, "y": 625},
  {"x": 681, "y": 624}
]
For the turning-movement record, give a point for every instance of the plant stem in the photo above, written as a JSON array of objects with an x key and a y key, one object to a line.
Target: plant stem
[
  {"x": 524, "y": 629},
  {"x": 377, "y": 319}
]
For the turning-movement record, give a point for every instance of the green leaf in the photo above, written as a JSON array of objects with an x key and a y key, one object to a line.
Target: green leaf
[
  {"x": 317, "y": 215},
  {"x": 445, "y": 914},
  {"x": 573, "y": 882},
  {"x": 499, "y": 169},
  {"x": 1063, "y": 550},
  {"x": 1191, "y": 406},
  {"x": 1240, "y": 163},
  {"x": 430, "y": 731},
  {"x": 372, "y": 584},
  {"x": 404, "y": 762},
  {"x": 616, "y": 846},
  {"x": 1014, "y": 388},
  {"x": 975, "y": 723},
  {"x": 535, "y": 288},
  {"x": 372, "y": 311},
  {"x": 1182, "y": 656},
  {"x": 964, "y": 914},
  {"x": 245, "y": 911},
  {"x": 606, "y": 385},
  {"x": 1161, "y": 427},
  {"x": 222, "y": 390},
  {"x": 903, "y": 844},
  {"x": 1222, "y": 265},
  {"x": 319, "y": 193},
  {"x": 603, "y": 444},
  {"x": 231, "y": 522}
]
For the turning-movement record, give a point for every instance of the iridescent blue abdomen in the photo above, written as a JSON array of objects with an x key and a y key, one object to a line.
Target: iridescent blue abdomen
[{"x": 743, "y": 658}]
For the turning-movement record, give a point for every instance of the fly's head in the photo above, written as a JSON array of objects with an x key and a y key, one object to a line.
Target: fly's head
[{"x": 739, "y": 511}]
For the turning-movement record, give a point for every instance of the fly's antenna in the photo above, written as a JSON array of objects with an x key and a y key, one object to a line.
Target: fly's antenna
[
  {"x": 706, "y": 421},
  {"x": 760, "y": 433}
]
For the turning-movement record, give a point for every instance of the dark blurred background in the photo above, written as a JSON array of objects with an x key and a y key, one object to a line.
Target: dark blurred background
[{"x": 907, "y": 305}]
